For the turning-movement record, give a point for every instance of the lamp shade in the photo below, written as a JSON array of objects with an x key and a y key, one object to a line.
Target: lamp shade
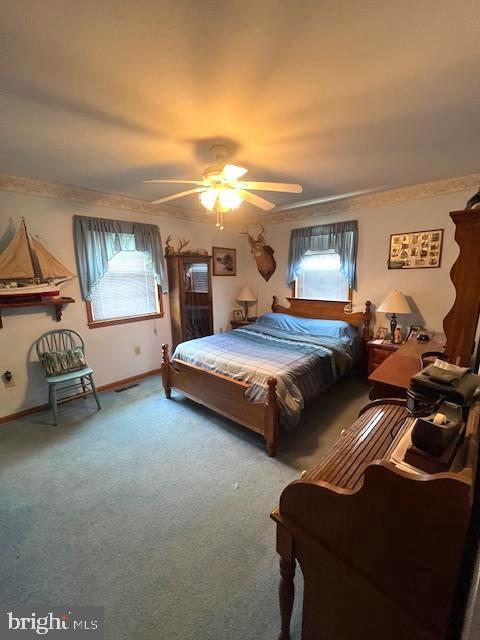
[
  {"x": 245, "y": 295},
  {"x": 395, "y": 302}
]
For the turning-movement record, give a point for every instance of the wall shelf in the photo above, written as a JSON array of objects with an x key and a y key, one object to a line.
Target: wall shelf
[{"x": 56, "y": 303}]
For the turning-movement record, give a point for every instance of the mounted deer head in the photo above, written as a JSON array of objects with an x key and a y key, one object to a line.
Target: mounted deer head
[{"x": 263, "y": 254}]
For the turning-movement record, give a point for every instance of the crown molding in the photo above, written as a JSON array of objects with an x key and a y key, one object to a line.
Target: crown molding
[
  {"x": 81, "y": 195},
  {"x": 28, "y": 186},
  {"x": 376, "y": 199}
]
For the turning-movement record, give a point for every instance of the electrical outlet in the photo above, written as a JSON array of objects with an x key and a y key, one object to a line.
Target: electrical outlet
[
  {"x": 137, "y": 350},
  {"x": 8, "y": 379}
]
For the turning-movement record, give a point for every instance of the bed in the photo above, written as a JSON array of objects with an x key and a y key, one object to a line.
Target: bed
[{"x": 262, "y": 375}]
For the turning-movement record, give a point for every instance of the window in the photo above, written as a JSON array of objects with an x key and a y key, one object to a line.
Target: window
[
  {"x": 320, "y": 278},
  {"x": 127, "y": 292}
]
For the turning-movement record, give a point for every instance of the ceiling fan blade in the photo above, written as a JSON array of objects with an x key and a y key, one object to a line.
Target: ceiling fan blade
[
  {"x": 273, "y": 186},
  {"x": 232, "y": 172},
  {"x": 180, "y": 195},
  {"x": 178, "y": 181},
  {"x": 256, "y": 200}
]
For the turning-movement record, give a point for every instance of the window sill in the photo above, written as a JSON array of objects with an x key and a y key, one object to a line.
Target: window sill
[{"x": 96, "y": 324}]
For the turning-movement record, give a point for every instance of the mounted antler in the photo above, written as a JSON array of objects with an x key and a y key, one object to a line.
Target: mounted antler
[
  {"x": 168, "y": 247},
  {"x": 183, "y": 243}
]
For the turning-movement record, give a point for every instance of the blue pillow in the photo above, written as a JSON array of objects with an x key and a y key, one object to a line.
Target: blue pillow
[{"x": 310, "y": 326}]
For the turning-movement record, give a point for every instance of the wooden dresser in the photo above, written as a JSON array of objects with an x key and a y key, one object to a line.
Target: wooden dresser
[
  {"x": 461, "y": 322},
  {"x": 379, "y": 543}
]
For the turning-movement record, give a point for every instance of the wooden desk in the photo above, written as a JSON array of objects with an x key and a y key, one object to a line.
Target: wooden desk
[
  {"x": 391, "y": 378},
  {"x": 379, "y": 544}
]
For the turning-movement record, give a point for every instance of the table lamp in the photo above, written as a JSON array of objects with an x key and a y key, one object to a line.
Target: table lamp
[
  {"x": 245, "y": 296},
  {"x": 394, "y": 303}
]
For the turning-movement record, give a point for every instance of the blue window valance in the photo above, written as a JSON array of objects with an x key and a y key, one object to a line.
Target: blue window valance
[
  {"x": 97, "y": 240},
  {"x": 342, "y": 237}
]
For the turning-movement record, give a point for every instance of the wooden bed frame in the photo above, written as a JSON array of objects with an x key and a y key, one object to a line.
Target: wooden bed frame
[{"x": 227, "y": 397}]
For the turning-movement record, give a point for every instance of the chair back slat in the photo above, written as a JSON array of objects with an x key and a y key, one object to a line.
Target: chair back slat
[{"x": 58, "y": 340}]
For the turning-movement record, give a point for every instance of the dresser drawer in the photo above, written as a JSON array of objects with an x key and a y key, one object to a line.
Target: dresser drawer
[{"x": 376, "y": 356}]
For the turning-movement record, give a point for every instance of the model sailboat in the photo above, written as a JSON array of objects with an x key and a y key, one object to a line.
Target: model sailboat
[{"x": 27, "y": 269}]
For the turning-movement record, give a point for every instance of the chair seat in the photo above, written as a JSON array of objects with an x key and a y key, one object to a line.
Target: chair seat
[{"x": 69, "y": 375}]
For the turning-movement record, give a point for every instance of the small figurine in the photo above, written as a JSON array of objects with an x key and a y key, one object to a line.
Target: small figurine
[{"x": 397, "y": 336}]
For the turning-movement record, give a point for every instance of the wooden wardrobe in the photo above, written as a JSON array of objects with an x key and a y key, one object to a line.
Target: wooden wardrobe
[
  {"x": 190, "y": 295},
  {"x": 461, "y": 322}
]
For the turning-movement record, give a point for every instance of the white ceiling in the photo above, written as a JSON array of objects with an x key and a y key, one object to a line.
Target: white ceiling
[{"x": 339, "y": 95}]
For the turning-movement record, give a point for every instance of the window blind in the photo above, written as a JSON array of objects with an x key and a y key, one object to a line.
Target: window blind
[
  {"x": 199, "y": 274},
  {"x": 319, "y": 278},
  {"x": 128, "y": 288}
]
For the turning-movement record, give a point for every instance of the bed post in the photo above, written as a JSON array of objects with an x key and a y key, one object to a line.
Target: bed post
[
  {"x": 166, "y": 371},
  {"x": 271, "y": 418},
  {"x": 367, "y": 316}
]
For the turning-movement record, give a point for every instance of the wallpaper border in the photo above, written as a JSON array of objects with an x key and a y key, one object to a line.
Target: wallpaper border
[
  {"x": 378, "y": 198},
  {"x": 82, "y": 195}
]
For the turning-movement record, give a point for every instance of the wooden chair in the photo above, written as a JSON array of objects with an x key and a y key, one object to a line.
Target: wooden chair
[{"x": 62, "y": 341}]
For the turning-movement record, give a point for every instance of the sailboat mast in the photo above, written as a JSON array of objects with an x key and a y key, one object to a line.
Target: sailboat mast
[{"x": 30, "y": 250}]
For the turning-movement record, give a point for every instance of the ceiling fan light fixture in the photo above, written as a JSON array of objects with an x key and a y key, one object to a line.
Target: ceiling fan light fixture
[
  {"x": 229, "y": 199},
  {"x": 208, "y": 199},
  {"x": 222, "y": 199},
  {"x": 232, "y": 172},
  {"x": 221, "y": 191}
]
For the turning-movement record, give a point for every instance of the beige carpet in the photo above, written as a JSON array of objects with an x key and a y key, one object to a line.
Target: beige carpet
[{"x": 157, "y": 510}]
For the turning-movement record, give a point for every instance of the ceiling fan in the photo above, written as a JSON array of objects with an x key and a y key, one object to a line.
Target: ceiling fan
[{"x": 222, "y": 190}]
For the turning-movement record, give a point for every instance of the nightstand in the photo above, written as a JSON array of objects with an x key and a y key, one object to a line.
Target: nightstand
[
  {"x": 241, "y": 323},
  {"x": 377, "y": 353}
]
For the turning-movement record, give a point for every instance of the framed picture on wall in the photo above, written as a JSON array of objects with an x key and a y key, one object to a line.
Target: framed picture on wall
[
  {"x": 416, "y": 249},
  {"x": 224, "y": 261}
]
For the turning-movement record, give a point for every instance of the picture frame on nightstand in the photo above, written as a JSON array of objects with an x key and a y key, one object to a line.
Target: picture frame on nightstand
[
  {"x": 381, "y": 334},
  {"x": 237, "y": 315}
]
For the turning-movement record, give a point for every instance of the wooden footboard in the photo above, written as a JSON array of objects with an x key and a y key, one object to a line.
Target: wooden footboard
[{"x": 225, "y": 396}]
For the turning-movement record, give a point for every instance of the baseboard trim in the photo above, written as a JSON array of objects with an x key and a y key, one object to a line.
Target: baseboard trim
[
  {"x": 103, "y": 387},
  {"x": 119, "y": 383}
]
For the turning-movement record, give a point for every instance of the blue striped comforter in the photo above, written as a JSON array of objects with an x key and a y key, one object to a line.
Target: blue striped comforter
[{"x": 303, "y": 365}]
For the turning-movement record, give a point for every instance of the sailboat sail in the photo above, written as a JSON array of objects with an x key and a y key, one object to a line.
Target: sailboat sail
[
  {"x": 50, "y": 267},
  {"x": 27, "y": 269},
  {"x": 15, "y": 260}
]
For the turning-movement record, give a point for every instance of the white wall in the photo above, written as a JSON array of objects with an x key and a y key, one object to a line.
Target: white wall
[
  {"x": 430, "y": 289},
  {"x": 110, "y": 350}
]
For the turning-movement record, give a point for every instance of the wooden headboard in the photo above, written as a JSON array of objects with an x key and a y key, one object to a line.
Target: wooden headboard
[{"x": 327, "y": 310}]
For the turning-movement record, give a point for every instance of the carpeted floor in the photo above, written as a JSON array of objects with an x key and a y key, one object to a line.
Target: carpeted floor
[{"x": 156, "y": 509}]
